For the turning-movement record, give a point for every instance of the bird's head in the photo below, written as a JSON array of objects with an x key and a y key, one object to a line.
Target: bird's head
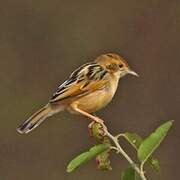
[{"x": 115, "y": 64}]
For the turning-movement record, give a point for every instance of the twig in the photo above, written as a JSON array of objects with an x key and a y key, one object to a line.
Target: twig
[{"x": 120, "y": 150}]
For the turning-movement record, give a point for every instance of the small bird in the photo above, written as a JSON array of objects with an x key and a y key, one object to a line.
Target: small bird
[{"x": 87, "y": 90}]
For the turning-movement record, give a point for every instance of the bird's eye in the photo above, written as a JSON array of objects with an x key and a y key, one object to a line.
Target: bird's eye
[{"x": 120, "y": 65}]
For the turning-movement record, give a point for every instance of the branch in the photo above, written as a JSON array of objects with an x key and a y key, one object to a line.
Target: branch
[{"x": 120, "y": 150}]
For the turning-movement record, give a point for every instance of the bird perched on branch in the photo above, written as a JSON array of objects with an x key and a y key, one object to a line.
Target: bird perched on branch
[{"x": 88, "y": 89}]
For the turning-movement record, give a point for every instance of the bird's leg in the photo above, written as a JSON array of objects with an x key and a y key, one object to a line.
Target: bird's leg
[{"x": 94, "y": 118}]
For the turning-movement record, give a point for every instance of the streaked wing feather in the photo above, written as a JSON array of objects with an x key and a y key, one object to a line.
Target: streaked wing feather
[{"x": 83, "y": 80}]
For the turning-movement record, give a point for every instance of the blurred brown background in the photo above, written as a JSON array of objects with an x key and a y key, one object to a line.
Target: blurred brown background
[{"x": 42, "y": 41}]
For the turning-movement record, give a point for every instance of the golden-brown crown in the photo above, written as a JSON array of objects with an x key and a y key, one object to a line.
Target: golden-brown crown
[
  {"x": 111, "y": 57},
  {"x": 111, "y": 60}
]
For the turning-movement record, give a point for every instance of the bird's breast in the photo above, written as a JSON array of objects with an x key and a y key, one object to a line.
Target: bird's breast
[{"x": 98, "y": 99}]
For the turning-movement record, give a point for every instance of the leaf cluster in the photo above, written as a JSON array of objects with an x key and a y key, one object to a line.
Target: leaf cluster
[{"x": 144, "y": 148}]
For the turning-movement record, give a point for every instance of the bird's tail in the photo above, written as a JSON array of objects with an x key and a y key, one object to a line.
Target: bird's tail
[{"x": 35, "y": 120}]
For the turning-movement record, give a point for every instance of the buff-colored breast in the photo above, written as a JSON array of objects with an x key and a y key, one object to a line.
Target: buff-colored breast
[{"x": 98, "y": 99}]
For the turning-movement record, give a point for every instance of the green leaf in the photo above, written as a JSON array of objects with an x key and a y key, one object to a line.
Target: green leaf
[
  {"x": 130, "y": 174},
  {"x": 149, "y": 145},
  {"x": 86, "y": 156},
  {"x": 135, "y": 140}
]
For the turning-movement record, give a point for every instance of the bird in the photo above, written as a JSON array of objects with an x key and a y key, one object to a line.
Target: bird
[{"x": 88, "y": 89}]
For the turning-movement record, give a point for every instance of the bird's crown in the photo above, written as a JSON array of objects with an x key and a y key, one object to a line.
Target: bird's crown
[{"x": 111, "y": 61}]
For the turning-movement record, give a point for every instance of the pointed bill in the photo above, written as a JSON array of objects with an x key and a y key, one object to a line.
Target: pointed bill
[{"x": 133, "y": 73}]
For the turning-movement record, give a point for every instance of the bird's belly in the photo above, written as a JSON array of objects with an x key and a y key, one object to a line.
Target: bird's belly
[
  {"x": 98, "y": 99},
  {"x": 94, "y": 101}
]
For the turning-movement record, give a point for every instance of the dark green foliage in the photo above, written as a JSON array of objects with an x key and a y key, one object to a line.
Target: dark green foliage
[{"x": 130, "y": 174}]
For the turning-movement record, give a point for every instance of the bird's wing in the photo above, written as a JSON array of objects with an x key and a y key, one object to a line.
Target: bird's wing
[{"x": 83, "y": 80}]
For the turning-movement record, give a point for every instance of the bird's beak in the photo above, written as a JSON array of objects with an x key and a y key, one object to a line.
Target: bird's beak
[{"x": 133, "y": 73}]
